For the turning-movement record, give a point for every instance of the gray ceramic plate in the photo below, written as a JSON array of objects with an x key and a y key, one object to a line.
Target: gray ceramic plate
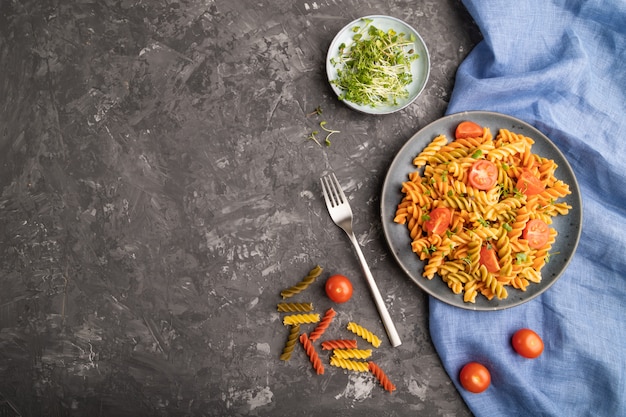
[
  {"x": 420, "y": 68},
  {"x": 568, "y": 227}
]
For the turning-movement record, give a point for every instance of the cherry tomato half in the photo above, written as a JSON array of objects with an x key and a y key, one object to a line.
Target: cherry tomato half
[
  {"x": 468, "y": 129},
  {"x": 483, "y": 174},
  {"x": 475, "y": 377},
  {"x": 489, "y": 258},
  {"x": 527, "y": 343},
  {"x": 537, "y": 233},
  {"x": 528, "y": 184},
  {"x": 338, "y": 288},
  {"x": 439, "y": 220}
]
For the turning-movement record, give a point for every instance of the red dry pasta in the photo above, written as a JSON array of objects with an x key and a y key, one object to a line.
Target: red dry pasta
[
  {"x": 339, "y": 344},
  {"x": 323, "y": 325},
  {"x": 312, "y": 354},
  {"x": 381, "y": 376}
]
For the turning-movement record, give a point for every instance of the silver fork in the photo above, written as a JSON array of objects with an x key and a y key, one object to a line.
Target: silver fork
[{"x": 341, "y": 213}]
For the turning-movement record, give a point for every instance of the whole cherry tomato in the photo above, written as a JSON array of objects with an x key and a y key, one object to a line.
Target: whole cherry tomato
[
  {"x": 527, "y": 343},
  {"x": 475, "y": 377},
  {"x": 338, "y": 288}
]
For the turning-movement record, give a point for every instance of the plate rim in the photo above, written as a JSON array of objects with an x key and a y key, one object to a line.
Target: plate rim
[
  {"x": 420, "y": 281},
  {"x": 386, "y": 109}
]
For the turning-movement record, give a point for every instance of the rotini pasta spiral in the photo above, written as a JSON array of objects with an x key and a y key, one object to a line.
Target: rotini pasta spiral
[
  {"x": 339, "y": 344},
  {"x": 312, "y": 354},
  {"x": 294, "y": 307},
  {"x": 301, "y": 318},
  {"x": 352, "y": 353},
  {"x": 364, "y": 333},
  {"x": 492, "y": 217},
  {"x": 294, "y": 333},
  {"x": 323, "y": 325},
  {"x": 383, "y": 379},
  {"x": 304, "y": 284},
  {"x": 349, "y": 364}
]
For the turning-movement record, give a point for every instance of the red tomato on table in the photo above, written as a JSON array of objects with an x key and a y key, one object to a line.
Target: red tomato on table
[
  {"x": 537, "y": 233},
  {"x": 475, "y": 377},
  {"x": 489, "y": 258},
  {"x": 439, "y": 220},
  {"x": 468, "y": 129},
  {"x": 338, "y": 288},
  {"x": 483, "y": 175},
  {"x": 528, "y": 184},
  {"x": 527, "y": 343}
]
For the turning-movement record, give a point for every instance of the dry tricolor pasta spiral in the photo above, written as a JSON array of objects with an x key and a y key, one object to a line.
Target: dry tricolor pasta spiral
[
  {"x": 323, "y": 325},
  {"x": 339, "y": 344},
  {"x": 381, "y": 376},
  {"x": 312, "y": 354},
  {"x": 294, "y": 332},
  {"x": 304, "y": 284},
  {"x": 364, "y": 333}
]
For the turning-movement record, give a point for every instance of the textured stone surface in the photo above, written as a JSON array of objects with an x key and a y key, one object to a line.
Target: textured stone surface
[{"x": 158, "y": 192}]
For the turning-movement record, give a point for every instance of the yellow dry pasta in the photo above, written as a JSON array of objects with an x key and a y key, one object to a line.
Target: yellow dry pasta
[
  {"x": 494, "y": 218},
  {"x": 352, "y": 353},
  {"x": 349, "y": 364},
  {"x": 364, "y": 333},
  {"x": 301, "y": 319}
]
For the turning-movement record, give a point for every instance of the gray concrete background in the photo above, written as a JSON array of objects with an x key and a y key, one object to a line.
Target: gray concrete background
[{"x": 158, "y": 192}]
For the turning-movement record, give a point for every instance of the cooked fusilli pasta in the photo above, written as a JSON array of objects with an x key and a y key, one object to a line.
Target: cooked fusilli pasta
[{"x": 492, "y": 217}]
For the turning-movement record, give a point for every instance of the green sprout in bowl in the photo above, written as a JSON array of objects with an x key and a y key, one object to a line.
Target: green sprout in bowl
[{"x": 375, "y": 69}]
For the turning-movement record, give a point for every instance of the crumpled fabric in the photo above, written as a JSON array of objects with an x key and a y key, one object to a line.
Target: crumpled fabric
[{"x": 559, "y": 65}]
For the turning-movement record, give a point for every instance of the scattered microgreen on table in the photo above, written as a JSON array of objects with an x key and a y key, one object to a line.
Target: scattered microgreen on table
[{"x": 375, "y": 69}]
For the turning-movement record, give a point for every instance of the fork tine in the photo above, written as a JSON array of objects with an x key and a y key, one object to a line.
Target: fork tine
[
  {"x": 330, "y": 192},
  {"x": 326, "y": 196},
  {"x": 342, "y": 197},
  {"x": 332, "y": 188}
]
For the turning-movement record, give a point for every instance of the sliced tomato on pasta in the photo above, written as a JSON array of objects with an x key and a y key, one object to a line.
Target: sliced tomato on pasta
[
  {"x": 528, "y": 184},
  {"x": 537, "y": 233},
  {"x": 483, "y": 175},
  {"x": 468, "y": 129},
  {"x": 438, "y": 220},
  {"x": 489, "y": 258}
]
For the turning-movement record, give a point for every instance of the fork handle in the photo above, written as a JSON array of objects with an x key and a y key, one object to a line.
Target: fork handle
[{"x": 394, "y": 337}]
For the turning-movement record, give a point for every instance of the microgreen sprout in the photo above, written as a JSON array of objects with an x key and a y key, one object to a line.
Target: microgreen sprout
[
  {"x": 375, "y": 69},
  {"x": 329, "y": 132},
  {"x": 317, "y": 111},
  {"x": 313, "y": 137},
  {"x": 521, "y": 258}
]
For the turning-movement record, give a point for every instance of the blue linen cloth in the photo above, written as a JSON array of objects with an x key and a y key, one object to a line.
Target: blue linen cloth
[{"x": 559, "y": 65}]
